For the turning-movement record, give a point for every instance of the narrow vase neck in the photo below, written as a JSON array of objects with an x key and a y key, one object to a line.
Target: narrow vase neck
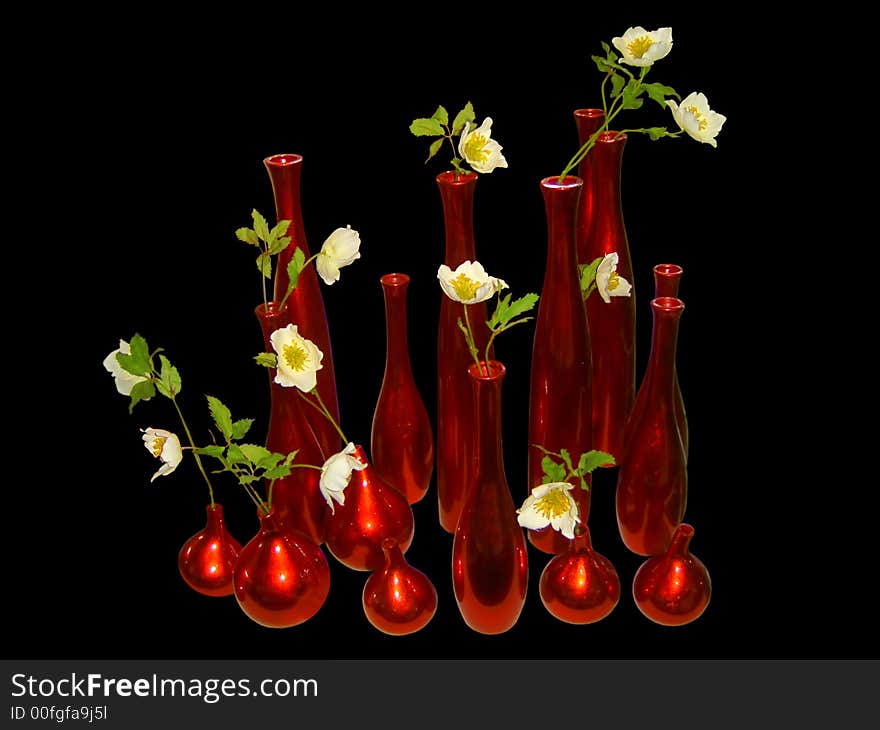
[
  {"x": 284, "y": 173},
  {"x": 458, "y": 216},
  {"x": 660, "y": 374},
  {"x": 666, "y": 280},
  {"x": 271, "y": 318},
  {"x": 394, "y": 287},
  {"x": 489, "y": 452},
  {"x": 607, "y": 164},
  {"x": 215, "y": 516},
  {"x": 679, "y": 546},
  {"x": 561, "y": 204}
]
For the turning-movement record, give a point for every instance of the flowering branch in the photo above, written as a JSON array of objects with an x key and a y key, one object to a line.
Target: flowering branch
[{"x": 269, "y": 242}]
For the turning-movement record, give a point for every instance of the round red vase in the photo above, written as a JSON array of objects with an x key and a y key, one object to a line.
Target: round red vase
[
  {"x": 674, "y": 588},
  {"x": 207, "y": 560},
  {"x": 398, "y": 599}
]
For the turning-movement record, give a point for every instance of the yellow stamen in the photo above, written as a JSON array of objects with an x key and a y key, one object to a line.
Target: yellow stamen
[
  {"x": 475, "y": 148},
  {"x": 701, "y": 120},
  {"x": 295, "y": 356},
  {"x": 639, "y": 47},
  {"x": 464, "y": 287},
  {"x": 553, "y": 504},
  {"x": 158, "y": 445},
  {"x": 613, "y": 281}
]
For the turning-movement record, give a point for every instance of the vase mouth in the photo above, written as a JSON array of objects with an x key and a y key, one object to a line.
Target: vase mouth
[
  {"x": 571, "y": 182},
  {"x": 283, "y": 160},
  {"x": 589, "y": 113},
  {"x": 215, "y": 508},
  {"x": 395, "y": 279},
  {"x": 667, "y": 304},
  {"x": 684, "y": 530},
  {"x": 668, "y": 270},
  {"x": 495, "y": 368},
  {"x": 464, "y": 178},
  {"x": 611, "y": 137},
  {"x": 270, "y": 310}
]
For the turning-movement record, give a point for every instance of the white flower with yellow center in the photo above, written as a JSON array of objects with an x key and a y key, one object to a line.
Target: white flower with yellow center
[
  {"x": 299, "y": 359},
  {"x": 340, "y": 249},
  {"x": 642, "y": 47},
  {"x": 125, "y": 381},
  {"x": 336, "y": 475},
  {"x": 696, "y": 118},
  {"x": 163, "y": 445},
  {"x": 478, "y": 148},
  {"x": 550, "y": 504},
  {"x": 608, "y": 282},
  {"x": 469, "y": 283}
]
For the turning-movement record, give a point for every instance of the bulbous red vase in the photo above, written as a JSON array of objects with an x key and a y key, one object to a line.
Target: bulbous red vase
[
  {"x": 206, "y": 561},
  {"x": 455, "y": 407},
  {"x": 305, "y": 304},
  {"x": 673, "y": 588},
  {"x": 401, "y": 442},
  {"x": 580, "y": 586},
  {"x": 281, "y": 578},
  {"x": 398, "y": 599},
  {"x": 652, "y": 480},
  {"x": 489, "y": 561},
  {"x": 296, "y": 499},
  {"x": 560, "y": 394},
  {"x": 373, "y": 511},
  {"x": 666, "y": 281}
]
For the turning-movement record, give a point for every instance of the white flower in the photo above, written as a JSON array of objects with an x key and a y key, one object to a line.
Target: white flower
[
  {"x": 163, "y": 445},
  {"x": 696, "y": 118},
  {"x": 608, "y": 282},
  {"x": 469, "y": 283},
  {"x": 550, "y": 504},
  {"x": 340, "y": 249},
  {"x": 125, "y": 381},
  {"x": 299, "y": 359},
  {"x": 336, "y": 474},
  {"x": 478, "y": 148},
  {"x": 642, "y": 47}
]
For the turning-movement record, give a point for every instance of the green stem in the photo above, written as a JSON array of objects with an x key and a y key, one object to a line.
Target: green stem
[
  {"x": 263, "y": 280},
  {"x": 323, "y": 410},
  {"x": 290, "y": 289},
  {"x": 195, "y": 452},
  {"x": 472, "y": 343}
]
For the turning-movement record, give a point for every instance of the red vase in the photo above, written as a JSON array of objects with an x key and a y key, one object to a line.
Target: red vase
[
  {"x": 306, "y": 305},
  {"x": 373, "y": 511},
  {"x": 612, "y": 326},
  {"x": 580, "y": 586},
  {"x": 398, "y": 599},
  {"x": 296, "y": 499},
  {"x": 559, "y": 400},
  {"x": 588, "y": 122},
  {"x": 281, "y": 577},
  {"x": 455, "y": 408},
  {"x": 207, "y": 559},
  {"x": 489, "y": 561},
  {"x": 402, "y": 442},
  {"x": 652, "y": 481},
  {"x": 666, "y": 280},
  {"x": 673, "y": 588}
]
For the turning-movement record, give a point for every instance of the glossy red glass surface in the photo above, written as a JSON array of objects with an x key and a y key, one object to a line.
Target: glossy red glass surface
[
  {"x": 559, "y": 399},
  {"x": 673, "y": 588},
  {"x": 402, "y": 441},
  {"x": 588, "y": 122},
  {"x": 455, "y": 425},
  {"x": 373, "y": 511},
  {"x": 667, "y": 278},
  {"x": 281, "y": 578},
  {"x": 489, "y": 561},
  {"x": 612, "y": 326},
  {"x": 305, "y": 304},
  {"x": 652, "y": 480},
  {"x": 296, "y": 498},
  {"x": 398, "y": 599},
  {"x": 207, "y": 559},
  {"x": 580, "y": 586}
]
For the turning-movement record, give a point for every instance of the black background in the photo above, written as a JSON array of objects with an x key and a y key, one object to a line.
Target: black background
[{"x": 143, "y": 153}]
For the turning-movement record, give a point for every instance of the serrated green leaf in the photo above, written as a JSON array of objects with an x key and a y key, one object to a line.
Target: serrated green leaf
[
  {"x": 248, "y": 478},
  {"x": 602, "y": 64},
  {"x": 294, "y": 268},
  {"x": 658, "y": 92},
  {"x": 656, "y": 133},
  {"x": 566, "y": 457},
  {"x": 169, "y": 379},
  {"x": 291, "y": 456},
  {"x": 630, "y": 96},
  {"x": 464, "y": 116},
  {"x": 279, "y": 244},
  {"x": 138, "y": 361},
  {"x": 518, "y": 306},
  {"x": 264, "y": 264},
  {"x": 553, "y": 470},
  {"x": 221, "y": 415},
  {"x": 254, "y": 453},
  {"x": 234, "y": 455},
  {"x": 441, "y": 115},
  {"x": 426, "y": 128},
  {"x": 267, "y": 359},
  {"x": 500, "y": 308},
  {"x": 588, "y": 273},
  {"x": 241, "y": 427},
  {"x": 215, "y": 450},
  {"x": 277, "y": 472},
  {"x": 247, "y": 235},
  {"x": 282, "y": 226},
  {"x": 617, "y": 84},
  {"x": 592, "y": 460},
  {"x": 260, "y": 225},
  {"x": 143, "y": 390},
  {"x": 435, "y": 147}
]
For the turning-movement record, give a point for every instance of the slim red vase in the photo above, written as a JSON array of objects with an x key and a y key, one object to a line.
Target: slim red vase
[
  {"x": 305, "y": 304},
  {"x": 613, "y": 325},
  {"x": 489, "y": 561},
  {"x": 455, "y": 408},
  {"x": 674, "y": 588},
  {"x": 588, "y": 122},
  {"x": 372, "y": 512},
  {"x": 652, "y": 481},
  {"x": 296, "y": 499},
  {"x": 559, "y": 400},
  {"x": 401, "y": 442},
  {"x": 206, "y": 561},
  {"x": 666, "y": 280}
]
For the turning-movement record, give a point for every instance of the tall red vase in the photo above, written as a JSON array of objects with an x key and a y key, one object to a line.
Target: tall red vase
[
  {"x": 401, "y": 442},
  {"x": 588, "y": 122},
  {"x": 372, "y": 512},
  {"x": 559, "y": 400},
  {"x": 455, "y": 408},
  {"x": 306, "y": 304},
  {"x": 613, "y": 325},
  {"x": 206, "y": 561},
  {"x": 296, "y": 498},
  {"x": 489, "y": 561},
  {"x": 281, "y": 578},
  {"x": 652, "y": 481},
  {"x": 666, "y": 280}
]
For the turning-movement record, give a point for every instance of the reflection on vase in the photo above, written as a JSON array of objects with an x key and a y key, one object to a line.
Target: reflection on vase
[{"x": 207, "y": 559}]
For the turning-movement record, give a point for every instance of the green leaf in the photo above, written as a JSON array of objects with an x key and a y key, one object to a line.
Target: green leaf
[
  {"x": 631, "y": 93},
  {"x": 247, "y": 235},
  {"x": 441, "y": 115},
  {"x": 235, "y": 456},
  {"x": 138, "y": 361},
  {"x": 221, "y": 415},
  {"x": 464, "y": 116},
  {"x": 566, "y": 457},
  {"x": 282, "y": 226},
  {"x": 617, "y": 84},
  {"x": 553, "y": 471},
  {"x": 656, "y": 133},
  {"x": 267, "y": 359},
  {"x": 241, "y": 427},
  {"x": 264, "y": 264},
  {"x": 658, "y": 92},
  {"x": 214, "y": 450},
  {"x": 610, "y": 54},
  {"x": 260, "y": 225},
  {"x": 593, "y": 460},
  {"x": 278, "y": 245},
  {"x": 588, "y": 273},
  {"x": 500, "y": 309},
  {"x": 291, "y": 456},
  {"x": 143, "y": 390},
  {"x": 602, "y": 64},
  {"x": 435, "y": 147},
  {"x": 169, "y": 379},
  {"x": 518, "y": 306},
  {"x": 255, "y": 454},
  {"x": 294, "y": 268},
  {"x": 426, "y": 128},
  {"x": 277, "y": 472},
  {"x": 247, "y": 478}
]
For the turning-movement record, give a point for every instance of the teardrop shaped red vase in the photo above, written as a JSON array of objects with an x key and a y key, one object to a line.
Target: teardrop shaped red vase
[
  {"x": 373, "y": 511},
  {"x": 281, "y": 578},
  {"x": 401, "y": 442},
  {"x": 674, "y": 588},
  {"x": 580, "y": 586},
  {"x": 398, "y": 599},
  {"x": 490, "y": 568},
  {"x": 206, "y": 561}
]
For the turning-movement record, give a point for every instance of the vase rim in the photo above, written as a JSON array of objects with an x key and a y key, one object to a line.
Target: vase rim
[
  {"x": 283, "y": 159},
  {"x": 590, "y": 113},
  {"x": 611, "y": 136},
  {"x": 670, "y": 270},
  {"x": 667, "y": 304},
  {"x": 571, "y": 182},
  {"x": 464, "y": 178},
  {"x": 216, "y": 508},
  {"x": 496, "y": 370},
  {"x": 271, "y": 308},
  {"x": 684, "y": 530},
  {"x": 395, "y": 279}
]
